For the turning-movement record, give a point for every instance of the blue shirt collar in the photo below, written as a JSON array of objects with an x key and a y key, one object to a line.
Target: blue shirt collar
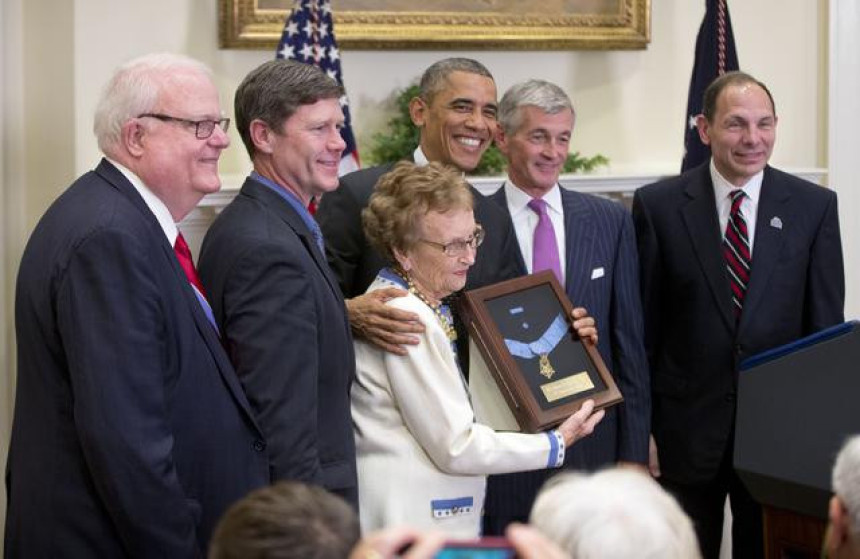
[{"x": 296, "y": 204}]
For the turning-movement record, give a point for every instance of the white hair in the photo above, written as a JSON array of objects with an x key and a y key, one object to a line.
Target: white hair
[
  {"x": 617, "y": 513},
  {"x": 846, "y": 481},
  {"x": 134, "y": 89}
]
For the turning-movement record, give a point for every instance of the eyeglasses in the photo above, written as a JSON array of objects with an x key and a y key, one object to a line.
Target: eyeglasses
[
  {"x": 460, "y": 246},
  {"x": 202, "y": 128}
]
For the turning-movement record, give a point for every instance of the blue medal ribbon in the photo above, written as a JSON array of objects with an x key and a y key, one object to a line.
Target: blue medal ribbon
[{"x": 543, "y": 345}]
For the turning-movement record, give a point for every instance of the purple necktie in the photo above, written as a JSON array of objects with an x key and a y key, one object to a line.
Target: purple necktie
[{"x": 545, "y": 249}]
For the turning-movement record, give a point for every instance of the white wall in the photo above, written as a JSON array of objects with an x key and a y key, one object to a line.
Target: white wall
[
  {"x": 631, "y": 104},
  {"x": 844, "y": 164}
]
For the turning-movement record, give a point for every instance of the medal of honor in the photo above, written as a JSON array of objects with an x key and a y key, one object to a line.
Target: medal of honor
[
  {"x": 545, "y": 366},
  {"x": 541, "y": 347}
]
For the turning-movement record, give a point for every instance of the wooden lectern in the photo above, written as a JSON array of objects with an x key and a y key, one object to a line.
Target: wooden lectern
[{"x": 796, "y": 406}]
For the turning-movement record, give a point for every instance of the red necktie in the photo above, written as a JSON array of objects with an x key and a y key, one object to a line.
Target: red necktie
[
  {"x": 736, "y": 251},
  {"x": 183, "y": 253}
]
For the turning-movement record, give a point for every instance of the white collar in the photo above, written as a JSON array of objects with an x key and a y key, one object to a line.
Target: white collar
[
  {"x": 722, "y": 187},
  {"x": 421, "y": 160},
  {"x": 518, "y": 200},
  {"x": 153, "y": 202},
  {"x": 419, "y": 157}
]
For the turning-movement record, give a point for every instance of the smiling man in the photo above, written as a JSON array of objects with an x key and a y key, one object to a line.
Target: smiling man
[
  {"x": 280, "y": 311},
  {"x": 455, "y": 113},
  {"x": 592, "y": 248},
  {"x": 131, "y": 434},
  {"x": 736, "y": 257}
]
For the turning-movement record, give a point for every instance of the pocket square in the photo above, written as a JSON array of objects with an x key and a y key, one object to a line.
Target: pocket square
[{"x": 597, "y": 273}]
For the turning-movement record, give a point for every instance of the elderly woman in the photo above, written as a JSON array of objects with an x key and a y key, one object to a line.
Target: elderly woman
[{"x": 422, "y": 458}]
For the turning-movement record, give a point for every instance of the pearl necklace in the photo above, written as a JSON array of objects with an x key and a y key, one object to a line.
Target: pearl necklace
[{"x": 444, "y": 321}]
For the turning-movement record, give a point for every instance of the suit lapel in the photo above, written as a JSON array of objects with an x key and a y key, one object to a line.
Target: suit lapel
[
  {"x": 282, "y": 209},
  {"x": 579, "y": 249},
  {"x": 210, "y": 337},
  {"x": 499, "y": 198},
  {"x": 700, "y": 219},
  {"x": 768, "y": 241}
]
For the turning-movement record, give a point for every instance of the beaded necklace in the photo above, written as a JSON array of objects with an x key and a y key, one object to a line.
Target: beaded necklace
[{"x": 446, "y": 322}]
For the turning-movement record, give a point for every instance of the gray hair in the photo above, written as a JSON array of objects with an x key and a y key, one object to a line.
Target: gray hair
[
  {"x": 544, "y": 95},
  {"x": 434, "y": 78},
  {"x": 134, "y": 89},
  {"x": 275, "y": 90},
  {"x": 846, "y": 480},
  {"x": 618, "y": 513}
]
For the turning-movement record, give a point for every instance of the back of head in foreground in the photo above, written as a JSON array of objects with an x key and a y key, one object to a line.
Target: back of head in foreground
[
  {"x": 843, "y": 532},
  {"x": 617, "y": 513},
  {"x": 288, "y": 520}
]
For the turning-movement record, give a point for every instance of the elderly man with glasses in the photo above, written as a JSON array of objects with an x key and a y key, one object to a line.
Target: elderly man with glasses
[{"x": 131, "y": 433}]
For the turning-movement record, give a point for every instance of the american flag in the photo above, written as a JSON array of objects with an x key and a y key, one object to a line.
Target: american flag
[
  {"x": 715, "y": 55},
  {"x": 308, "y": 37}
]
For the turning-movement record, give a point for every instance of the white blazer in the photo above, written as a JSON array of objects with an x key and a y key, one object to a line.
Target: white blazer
[{"x": 422, "y": 459}]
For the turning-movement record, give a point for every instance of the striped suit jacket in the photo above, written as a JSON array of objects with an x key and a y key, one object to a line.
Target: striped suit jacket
[{"x": 602, "y": 275}]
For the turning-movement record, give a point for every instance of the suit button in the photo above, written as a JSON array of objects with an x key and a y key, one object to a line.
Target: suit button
[
  {"x": 730, "y": 398},
  {"x": 259, "y": 445},
  {"x": 739, "y": 349}
]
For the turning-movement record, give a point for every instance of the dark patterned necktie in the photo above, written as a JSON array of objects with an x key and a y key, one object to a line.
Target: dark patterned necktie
[{"x": 736, "y": 251}]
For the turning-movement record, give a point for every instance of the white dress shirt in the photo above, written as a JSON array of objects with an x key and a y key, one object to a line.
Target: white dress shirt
[
  {"x": 419, "y": 157},
  {"x": 749, "y": 205},
  {"x": 153, "y": 202},
  {"x": 526, "y": 220}
]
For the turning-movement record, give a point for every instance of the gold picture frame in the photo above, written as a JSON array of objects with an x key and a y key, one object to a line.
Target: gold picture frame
[{"x": 492, "y": 24}]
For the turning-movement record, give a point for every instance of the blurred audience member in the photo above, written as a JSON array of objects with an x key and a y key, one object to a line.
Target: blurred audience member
[
  {"x": 618, "y": 513},
  {"x": 409, "y": 543},
  {"x": 285, "y": 521},
  {"x": 402, "y": 542},
  {"x": 843, "y": 533}
]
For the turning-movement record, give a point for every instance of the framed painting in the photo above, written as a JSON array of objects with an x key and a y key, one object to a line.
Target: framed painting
[
  {"x": 451, "y": 24},
  {"x": 544, "y": 372}
]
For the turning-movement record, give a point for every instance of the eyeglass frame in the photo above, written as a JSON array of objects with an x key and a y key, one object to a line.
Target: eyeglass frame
[
  {"x": 223, "y": 123},
  {"x": 475, "y": 240}
]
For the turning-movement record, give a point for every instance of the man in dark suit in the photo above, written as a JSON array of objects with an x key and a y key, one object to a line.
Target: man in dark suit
[
  {"x": 736, "y": 257},
  {"x": 592, "y": 248},
  {"x": 263, "y": 263},
  {"x": 455, "y": 113},
  {"x": 131, "y": 432}
]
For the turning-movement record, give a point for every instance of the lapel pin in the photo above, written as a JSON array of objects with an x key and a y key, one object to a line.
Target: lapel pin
[{"x": 776, "y": 223}]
